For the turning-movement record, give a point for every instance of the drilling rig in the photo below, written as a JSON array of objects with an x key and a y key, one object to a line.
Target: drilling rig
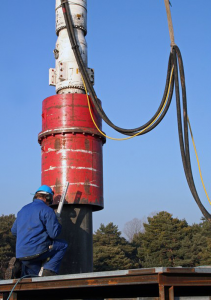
[
  {"x": 71, "y": 139},
  {"x": 71, "y": 146}
]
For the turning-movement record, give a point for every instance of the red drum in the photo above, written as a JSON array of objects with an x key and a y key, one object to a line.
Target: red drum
[{"x": 72, "y": 150}]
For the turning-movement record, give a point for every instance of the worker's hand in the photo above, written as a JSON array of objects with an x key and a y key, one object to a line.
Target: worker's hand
[{"x": 59, "y": 218}]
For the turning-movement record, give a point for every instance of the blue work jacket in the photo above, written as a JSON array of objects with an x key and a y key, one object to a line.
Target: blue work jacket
[{"x": 35, "y": 227}]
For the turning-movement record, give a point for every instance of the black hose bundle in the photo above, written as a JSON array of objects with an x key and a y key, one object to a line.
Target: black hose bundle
[
  {"x": 96, "y": 102},
  {"x": 174, "y": 58},
  {"x": 183, "y": 138}
]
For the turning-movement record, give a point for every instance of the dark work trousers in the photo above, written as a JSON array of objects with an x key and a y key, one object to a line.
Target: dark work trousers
[{"x": 50, "y": 260}]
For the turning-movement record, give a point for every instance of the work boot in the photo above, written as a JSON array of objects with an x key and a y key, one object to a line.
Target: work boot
[
  {"x": 48, "y": 273},
  {"x": 14, "y": 269}
]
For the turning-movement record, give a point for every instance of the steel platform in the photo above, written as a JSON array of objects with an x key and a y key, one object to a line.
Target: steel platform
[{"x": 165, "y": 283}]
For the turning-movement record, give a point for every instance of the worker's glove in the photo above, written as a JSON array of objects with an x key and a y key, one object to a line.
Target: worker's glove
[{"x": 59, "y": 218}]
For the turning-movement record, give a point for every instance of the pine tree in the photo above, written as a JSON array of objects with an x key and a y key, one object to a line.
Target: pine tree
[
  {"x": 7, "y": 244},
  {"x": 202, "y": 242},
  {"x": 166, "y": 242},
  {"x": 111, "y": 251}
]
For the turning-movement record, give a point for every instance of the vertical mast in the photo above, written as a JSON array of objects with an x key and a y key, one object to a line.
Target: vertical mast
[{"x": 66, "y": 76}]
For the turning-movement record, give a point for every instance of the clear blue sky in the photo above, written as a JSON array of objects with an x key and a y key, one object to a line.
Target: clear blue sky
[{"x": 128, "y": 46}]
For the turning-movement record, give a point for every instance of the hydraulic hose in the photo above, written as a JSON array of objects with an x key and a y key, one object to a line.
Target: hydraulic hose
[
  {"x": 18, "y": 281},
  {"x": 96, "y": 102},
  {"x": 174, "y": 58},
  {"x": 183, "y": 137},
  {"x": 184, "y": 147},
  {"x": 138, "y": 133}
]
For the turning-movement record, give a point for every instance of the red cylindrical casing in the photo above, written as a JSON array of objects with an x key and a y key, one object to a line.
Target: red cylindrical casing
[{"x": 72, "y": 150}]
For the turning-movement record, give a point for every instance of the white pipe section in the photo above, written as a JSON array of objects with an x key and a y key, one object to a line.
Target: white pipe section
[{"x": 66, "y": 76}]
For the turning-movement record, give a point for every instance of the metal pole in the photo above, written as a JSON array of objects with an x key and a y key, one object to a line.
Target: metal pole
[{"x": 77, "y": 230}]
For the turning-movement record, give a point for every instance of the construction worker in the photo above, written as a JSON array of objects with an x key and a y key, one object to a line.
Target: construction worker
[{"x": 36, "y": 229}]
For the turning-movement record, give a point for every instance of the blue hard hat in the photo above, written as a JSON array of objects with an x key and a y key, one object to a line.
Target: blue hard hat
[{"x": 45, "y": 189}]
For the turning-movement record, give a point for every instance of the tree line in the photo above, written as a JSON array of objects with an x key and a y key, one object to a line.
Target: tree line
[{"x": 161, "y": 240}]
